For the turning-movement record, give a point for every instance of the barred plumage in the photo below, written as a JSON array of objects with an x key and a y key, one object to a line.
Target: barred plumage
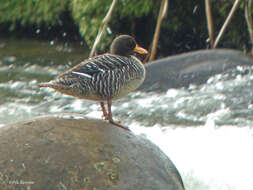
[{"x": 105, "y": 77}]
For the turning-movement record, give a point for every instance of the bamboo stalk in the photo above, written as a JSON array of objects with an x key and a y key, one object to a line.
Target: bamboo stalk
[
  {"x": 162, "y": 12},
  {"x": 102, "y": 27},
  {"x": 227, "y": 21},
  {"x": 209, "y": 22},
  {"x": 248, "y": 17}
]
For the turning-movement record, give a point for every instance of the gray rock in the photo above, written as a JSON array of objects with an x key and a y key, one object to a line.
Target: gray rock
[
  {"x": 190, "y": 68},
  {"x": 62, "y": 154}
]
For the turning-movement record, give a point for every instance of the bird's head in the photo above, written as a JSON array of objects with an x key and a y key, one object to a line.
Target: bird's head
[{"x": 126, "y": 45}]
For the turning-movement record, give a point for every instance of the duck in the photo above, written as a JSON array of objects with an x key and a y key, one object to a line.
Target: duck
[{"x": 106, "y": 77}]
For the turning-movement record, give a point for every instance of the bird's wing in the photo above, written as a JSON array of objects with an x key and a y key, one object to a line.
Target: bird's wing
[{"x": 98, "y": 64}]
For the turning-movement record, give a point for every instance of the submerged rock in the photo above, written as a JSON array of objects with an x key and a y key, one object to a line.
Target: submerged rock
[
  {"x": 56, "y": 153},
  {"x": 190, "y": 68}
]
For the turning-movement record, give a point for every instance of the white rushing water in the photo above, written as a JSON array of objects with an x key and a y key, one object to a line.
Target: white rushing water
[{"x": 207, "y": 157}]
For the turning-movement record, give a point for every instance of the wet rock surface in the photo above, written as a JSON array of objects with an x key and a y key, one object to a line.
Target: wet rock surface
[
  {"x": 62, "y": 153},
  {"x": 190, "y": 68}
]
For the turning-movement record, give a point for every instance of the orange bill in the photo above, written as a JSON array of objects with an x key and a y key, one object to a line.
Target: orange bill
[{"x": 140, "y": 50}]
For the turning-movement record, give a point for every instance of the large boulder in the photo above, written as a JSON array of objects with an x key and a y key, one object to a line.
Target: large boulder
[
  {"x": 80, "y": 154},
  {"x": 190, "y": 68}
]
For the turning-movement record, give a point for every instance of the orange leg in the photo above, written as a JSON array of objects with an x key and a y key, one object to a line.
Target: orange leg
[
  {"x": 109, "y": 104},
  {"x": 105, "y": 115}
]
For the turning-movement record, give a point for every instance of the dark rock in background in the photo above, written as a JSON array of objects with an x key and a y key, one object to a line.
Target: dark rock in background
[{"x": 190, "y": 68}]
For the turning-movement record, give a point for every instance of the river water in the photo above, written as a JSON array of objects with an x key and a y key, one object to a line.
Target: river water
[{"x": 206, "y": 130}]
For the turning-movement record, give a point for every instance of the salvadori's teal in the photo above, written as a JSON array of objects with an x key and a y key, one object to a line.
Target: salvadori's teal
[{"x": 105, "y": 77}]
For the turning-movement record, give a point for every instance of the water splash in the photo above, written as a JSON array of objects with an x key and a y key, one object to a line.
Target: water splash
[{"x": 219, "y": 158}]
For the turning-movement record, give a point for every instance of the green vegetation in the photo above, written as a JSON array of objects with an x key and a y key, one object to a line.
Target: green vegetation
[
  {"x": 33, "y": 12},
  {"x": 89, "y": 15},
  {"x": 184, "y": 27}
]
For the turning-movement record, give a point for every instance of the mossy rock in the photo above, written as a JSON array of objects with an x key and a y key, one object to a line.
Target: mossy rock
[{"x": 61, "y": 154}]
